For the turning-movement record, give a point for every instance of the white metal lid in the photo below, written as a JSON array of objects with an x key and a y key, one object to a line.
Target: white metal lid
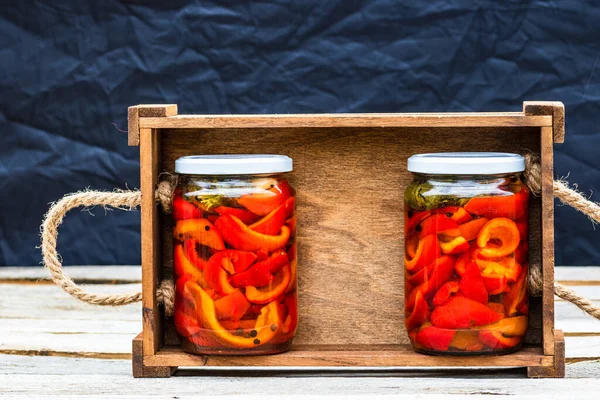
[
  {"x": 233, "y": 164},
  {"x": 466, "y": 163}
]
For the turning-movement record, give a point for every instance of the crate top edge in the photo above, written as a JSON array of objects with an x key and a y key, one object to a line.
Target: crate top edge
[
  {"x": 266, "y": 121},
  {"x": 534, "y": 114}
]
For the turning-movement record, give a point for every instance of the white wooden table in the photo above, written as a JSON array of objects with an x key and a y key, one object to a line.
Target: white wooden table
[{"x": 53, "y": 346}]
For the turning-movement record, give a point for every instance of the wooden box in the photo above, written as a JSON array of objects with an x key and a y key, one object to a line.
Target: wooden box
[{"x": 350, "y": 172}]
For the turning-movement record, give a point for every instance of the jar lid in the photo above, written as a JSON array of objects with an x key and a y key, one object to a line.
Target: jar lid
[
  {"x": 233, "y": 164},
  {"x": 466, "y": 163}
]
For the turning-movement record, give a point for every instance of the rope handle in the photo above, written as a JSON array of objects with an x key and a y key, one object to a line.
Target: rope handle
[
  {"x": 128, "y": 200},
  {"x": 123, "y": 200}
]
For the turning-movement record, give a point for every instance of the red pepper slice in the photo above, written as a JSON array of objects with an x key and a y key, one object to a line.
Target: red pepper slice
[
  {"x": 462, "y": 312},
  {"x": 496, "y": 340},
  {"x": 427, "y": 251},
  {"x": 291, "y": 223},
  {"x": 189, "y": 245},
  {"x": 472, "y": 284},
  {"x": 441, "y": 273},
  {"x": 512, "y": 206},
  {"x": 293, "y": 259},
  {"x": 421, "y": 276},
  {"x": 523, "y": 226},
  {"x": 411, "y": 244},
  {"x": 495, "y": 285},
  {"x": 416, "y": 217},
  {"x": 232, "y": 307},
  {"x": 522, "y": 253},
  {"x": 201, "y": 230},
  {"x": 431, "y": 337},
  {"x": 183, "y": 267},
  {"x": 291, "y": 321},
  {"x": 271, "y": 223},
  {"x": 216, "y": 273},
  {"x": 456, "y": 213},
  {"x": 235, "y": 261},
  {"x": 437, "y": 224},
  {"x": 498, "y": 238},
  {"x": 185, "y": 323},
  {"x": 241, "y": 237},
  {"x": 461, "y": 216},
  {"x": 444, "y": 293},
  {"x": 462, "y": 262},
  {"x": 456, "y": 245},
  {"x": 419, "y": 314},
  {"x": 268, "y": 293},
  {"x": 507, "y": 267},
  {"x": 470, "y": 230},
  {"x": 265, "y": 202},
  {"x": 261, "y": 273},
  {"x": 183, "y": 209},
  {"x": 517, "y": 294},
  {"x": 244, "y": 215}
]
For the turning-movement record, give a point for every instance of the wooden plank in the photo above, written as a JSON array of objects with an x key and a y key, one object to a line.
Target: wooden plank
[
  {"x": 39, "y": 302},
  {"x": 76, "y": 336},
  {"x": 146, "y": 110},
  {"x": 370, "y": 356},
  {"x": 547, "y": 164},
  {"x": 556, "y": 109},
  {"x": 151, "y": 263},
  {"x": 139, "y": 370},
  {"x": 474, "y": 120},
  {"x": 580, "y": 274},
  {"x": 557, "y": 369},
  {"x": 91, "y": 273},
  {"x": 583, "y": 347},
  {"x": 573, "y": 321},
  {"x": 58, "y": 377}
]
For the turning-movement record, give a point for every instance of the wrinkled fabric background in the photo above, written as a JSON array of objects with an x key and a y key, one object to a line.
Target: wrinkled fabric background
[{"x": 70, "y": 69}]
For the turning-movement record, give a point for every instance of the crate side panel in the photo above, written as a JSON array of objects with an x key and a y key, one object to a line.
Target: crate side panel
[{"x": 350, "y": 188}]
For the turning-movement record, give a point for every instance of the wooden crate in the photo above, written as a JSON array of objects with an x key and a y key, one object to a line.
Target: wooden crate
[{"x": 350, "y": 172}]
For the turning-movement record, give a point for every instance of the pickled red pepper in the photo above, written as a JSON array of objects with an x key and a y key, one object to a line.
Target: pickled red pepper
[
  {"x": 466, "y": 264},
  {"x": 235, "y": 265}
]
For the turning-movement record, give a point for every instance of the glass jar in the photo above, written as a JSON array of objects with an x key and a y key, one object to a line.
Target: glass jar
[
  {"x": 466, "y": 253},
  {"x": 234, "y": 258}
]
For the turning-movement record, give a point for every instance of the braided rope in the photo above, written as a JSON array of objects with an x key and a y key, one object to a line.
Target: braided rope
[
  {"x": 123, "y": 200},
  {"x": 573, "y": 198}
]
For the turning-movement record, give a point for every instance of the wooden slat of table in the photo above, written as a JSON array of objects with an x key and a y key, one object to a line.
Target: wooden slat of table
[
  {"x": 55, "y": 377},
  {"x": 38, "y": 318}
]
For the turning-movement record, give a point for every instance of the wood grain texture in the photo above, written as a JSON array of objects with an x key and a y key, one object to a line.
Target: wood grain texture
[
  {"x": 87, "y": 274},
  {"x": 547, "y": 162},
  {"x": 556, "y": 109},
  {"x": 350, "y": 183},
  {"x": 140, "y": 370},
  {"x": 151, "y": 263},
  {"x": 440, "y": 120},
  {"x": 349, "y": 355},
  {"x": 557, "y": 369},
  {"x": 146, "y": 110},
  {"x": 84, "y": 379}
]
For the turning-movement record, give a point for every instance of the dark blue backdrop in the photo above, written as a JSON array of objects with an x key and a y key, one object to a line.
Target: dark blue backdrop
[{"x": 69, "y": 69}]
